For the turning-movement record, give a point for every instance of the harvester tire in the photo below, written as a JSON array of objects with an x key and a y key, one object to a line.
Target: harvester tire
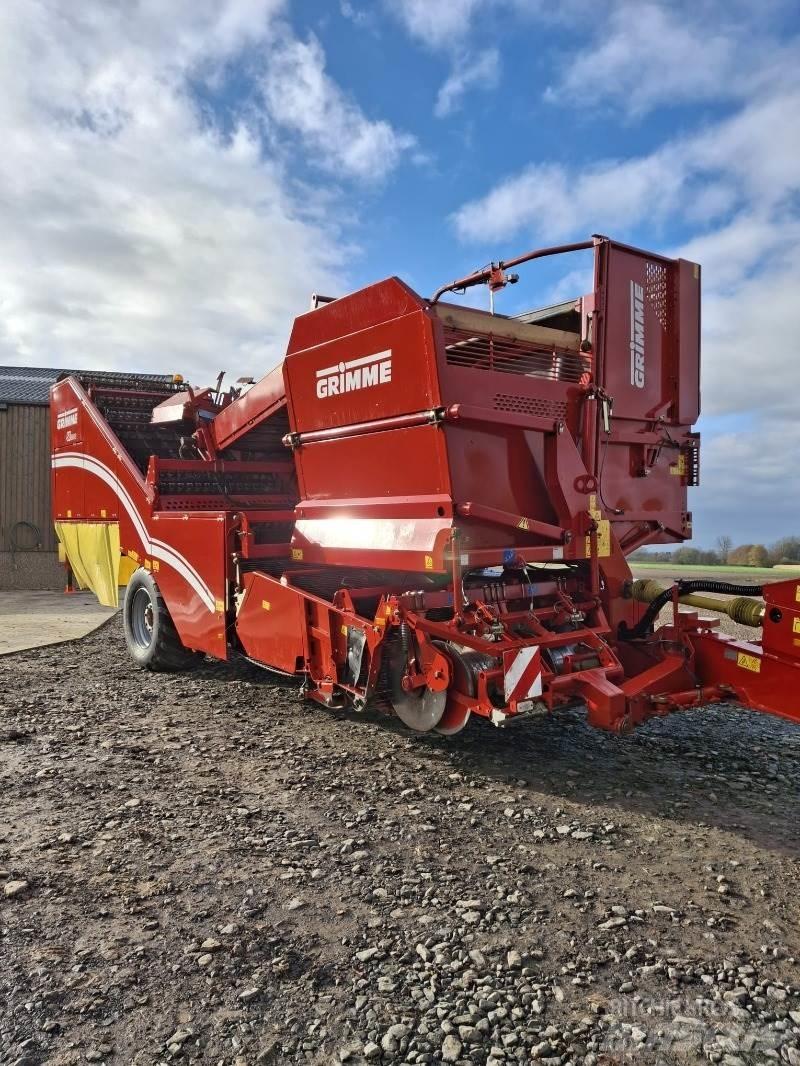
[{"x": 150, "y": 633}]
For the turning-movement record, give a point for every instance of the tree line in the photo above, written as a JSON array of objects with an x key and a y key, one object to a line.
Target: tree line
[{"x": 785, "y": 550}]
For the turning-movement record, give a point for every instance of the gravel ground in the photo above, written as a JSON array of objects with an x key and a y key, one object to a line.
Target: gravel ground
[{"x": 205, "y": 868}]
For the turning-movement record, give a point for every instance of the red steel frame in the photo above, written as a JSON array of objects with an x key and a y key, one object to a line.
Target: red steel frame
[{"x": 407, "y": 447}]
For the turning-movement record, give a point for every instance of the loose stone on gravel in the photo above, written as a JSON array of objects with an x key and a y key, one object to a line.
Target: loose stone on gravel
[
  {"x": 14, "y": 888},
  {"x": 451, "y": 1048}
]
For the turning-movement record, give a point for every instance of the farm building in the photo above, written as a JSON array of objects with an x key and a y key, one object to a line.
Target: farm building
[{"x": 28, "y": 544}]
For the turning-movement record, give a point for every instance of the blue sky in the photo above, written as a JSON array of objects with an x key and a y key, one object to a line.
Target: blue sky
[{"x": 178, "y": 178}]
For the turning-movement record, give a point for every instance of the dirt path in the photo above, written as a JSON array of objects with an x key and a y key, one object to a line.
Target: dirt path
[{"x": 203, "y": 867}]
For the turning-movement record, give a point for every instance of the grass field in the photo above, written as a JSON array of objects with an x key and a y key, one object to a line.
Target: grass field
[{"x": 754, "y": 572}]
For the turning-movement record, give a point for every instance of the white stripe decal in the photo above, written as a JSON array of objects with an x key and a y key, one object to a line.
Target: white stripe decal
[
  {"x": 518, "y": 667},
  {"x": 157, "y": 548},
  {"x": 151, "y": 544},
  {"x": 94, "y": 466},
  {"x": 365, "y": 360},
  {"x": 536, "y": 687}
]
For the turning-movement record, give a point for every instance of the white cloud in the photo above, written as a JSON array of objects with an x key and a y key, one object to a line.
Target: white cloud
[
  {"x": 482, "y": 71},
  {"x": 137, "y": 233},
  {"x": 648, "y": 52},
  {"x": 302, "y": 98},
  {"x": 446, "y": 27},
  {"x": 637, "y": 55},
  {"x": 750, "y": 358},
  {"x": 749, "y": 485},
  {"x": 551, "y": 201},
  {"x": 438, "y": 25},
  {"x": 747, "y": 159},
  {"x": 645, "y": 54},
  {"x": 445, "y": 24}
]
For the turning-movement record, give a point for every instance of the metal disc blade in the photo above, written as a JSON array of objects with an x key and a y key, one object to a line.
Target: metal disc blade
[
  {"x": 422, "y": 712},
  {"x": 452, "y": 723}
]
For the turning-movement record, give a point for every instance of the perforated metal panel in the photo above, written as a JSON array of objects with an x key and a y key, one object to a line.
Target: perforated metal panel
[
  {"x": 523, "y": 405},
  {"x": 658, "y": 293}
]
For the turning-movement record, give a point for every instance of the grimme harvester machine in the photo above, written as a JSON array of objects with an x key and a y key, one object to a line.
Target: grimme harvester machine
[{"x": 428, "y": 508}]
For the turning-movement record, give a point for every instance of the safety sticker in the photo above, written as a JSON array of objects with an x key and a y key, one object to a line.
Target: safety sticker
[
  {"x": 749, "y": 662},
  {"x": 796, "y": 625},
  {"x": 679, "y": 467},
  {"x": 297, "y": 554},
  {"x": 522, "y": 674}
]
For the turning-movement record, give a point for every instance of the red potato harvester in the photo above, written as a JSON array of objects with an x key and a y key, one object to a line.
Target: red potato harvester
[{"x": 428, "y": 508}]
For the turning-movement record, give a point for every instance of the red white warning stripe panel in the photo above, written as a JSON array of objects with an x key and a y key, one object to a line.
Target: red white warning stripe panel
[{"x": 523, "y": 674}]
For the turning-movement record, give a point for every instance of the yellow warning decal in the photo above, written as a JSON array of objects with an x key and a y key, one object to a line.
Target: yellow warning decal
[
  {"x": 297, "y": 554},
  {"x": 796, "y": 625},
  {"x": 156, "y": 565},
  {"x": 344, "y": 631},
  {"x": 749, "y": 662},
  {"x": 429, "y": 562},
  {"x": 148, "y": 565},
  {"x": 134, "y": 556},
  {"x": 219, "y": 605},
  {"x": 267, "y": 606},
  {"x": 603, "y": 540},
  {"x": 797, "y": 593},
  {"x": 679, "y": 467},
  {"x": 69, "y": 514},
  {"x": 102, "y": 512},
  {"x": 523, "y": 524}
]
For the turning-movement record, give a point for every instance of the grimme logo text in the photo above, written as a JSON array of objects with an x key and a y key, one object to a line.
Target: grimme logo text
[
  {"x": 67, "y": 418},
  {"x": 637, "y": 335},
  {"x": 355, "y": 374}
]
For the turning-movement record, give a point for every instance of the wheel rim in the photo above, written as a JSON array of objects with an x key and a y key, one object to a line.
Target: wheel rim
[
  {"x": 419, "y": 710},
  {"x": 455, "y": 718},
  {"x": 142, "y": 618}
]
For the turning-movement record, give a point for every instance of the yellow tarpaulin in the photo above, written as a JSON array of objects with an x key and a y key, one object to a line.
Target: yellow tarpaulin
[{"x": 92, "y": 550}]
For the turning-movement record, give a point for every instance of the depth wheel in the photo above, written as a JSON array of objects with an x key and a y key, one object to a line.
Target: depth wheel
[
  {"x": 153, "y": 641},
  {"x": 455, "y": 718},
  {"x": 421, "y": 709}
]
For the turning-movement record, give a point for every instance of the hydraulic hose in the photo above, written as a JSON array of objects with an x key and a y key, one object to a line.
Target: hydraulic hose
[{"x": 746, "y": 613}]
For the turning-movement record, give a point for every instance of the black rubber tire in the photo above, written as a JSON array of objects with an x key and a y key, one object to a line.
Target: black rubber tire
[{"x": 153, "y": 641}]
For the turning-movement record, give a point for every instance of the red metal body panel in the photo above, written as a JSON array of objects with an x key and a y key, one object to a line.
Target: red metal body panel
[
  {"x": 272, "y": 625},
  {"x": 648, "y": 361},
  {"x": 265, "y": 398},
  {"x": 379, "y": 371}
]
